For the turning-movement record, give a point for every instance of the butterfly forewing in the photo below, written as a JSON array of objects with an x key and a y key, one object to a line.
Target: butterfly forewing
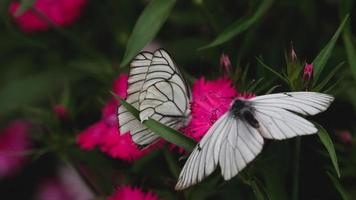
[
  {"x": 276, "y": 113},
  {"x": 236, "y": 138},
  {"x": 164, "y": 93}
]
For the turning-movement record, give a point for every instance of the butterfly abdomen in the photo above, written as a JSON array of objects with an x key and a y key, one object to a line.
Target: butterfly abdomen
[{"x": 242, "y": 109}]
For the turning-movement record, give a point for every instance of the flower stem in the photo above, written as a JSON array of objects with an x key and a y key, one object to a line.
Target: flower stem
[{"x": 296, "y": 156}]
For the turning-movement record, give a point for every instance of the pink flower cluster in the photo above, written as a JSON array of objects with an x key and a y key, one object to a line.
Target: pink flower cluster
[
  {"x": 105, "y": 132},
  {"x": 131, "y": 193},
  {"x": 14, "y": 141},
  {"x": 58, "y": 12}
]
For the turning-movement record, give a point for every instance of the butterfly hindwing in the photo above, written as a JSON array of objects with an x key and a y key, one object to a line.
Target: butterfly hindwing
[
  {"x": 138, "y": 69},
  {"x": 164, "y": 92}
]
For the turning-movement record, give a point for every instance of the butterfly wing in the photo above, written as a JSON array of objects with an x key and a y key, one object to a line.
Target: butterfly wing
[
  {"x": 164, "y": 95},
  {"x": 230, "y": 143},
  {"x": 128, "y": 122},
  {"x": 277, "y": 113}
]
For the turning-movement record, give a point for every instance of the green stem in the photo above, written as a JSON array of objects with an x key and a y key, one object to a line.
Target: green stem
[{"x": 296, "y": 156}]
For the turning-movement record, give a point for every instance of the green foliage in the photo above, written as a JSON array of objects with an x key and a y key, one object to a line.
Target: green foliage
[
  {"x": 240, "y": 25},
  {"x": 147, "y": 26},
  {"x": 322, "y": 58},
  {"x": 328, "y": 144},
  {"x": 350, "y": 50},
  {"x": 25, "y": 5}
]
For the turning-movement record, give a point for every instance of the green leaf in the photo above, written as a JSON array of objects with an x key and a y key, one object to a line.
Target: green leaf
[
  {"x": 23, "y": 91},
  {"x": 328, "y": 144},
  {"x": 328, "y": 77},
  {"x": 338, "y": 186},
  {"x": 328, "y": 90},
  {"x": 272, "y": 89},
  {"x": 253, "y": 85},
  {"x": 272, "y": 70},
  {"x": 172, "y": 163},
  {"x": 162, "y": 130},
  {"x": 350, "y": 51},
  {"x": 147, "y": 26},
  {"x": 321, "y": 59},
  {"x": 258, "y": 189},
  {"x": 240, "y": 25},
  {"x": 24, "y": 6}
]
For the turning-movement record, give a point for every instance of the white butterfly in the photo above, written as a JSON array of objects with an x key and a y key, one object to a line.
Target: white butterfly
[
  {"x": 236, "y": 138},
  {"x": 158, "y": 90}
]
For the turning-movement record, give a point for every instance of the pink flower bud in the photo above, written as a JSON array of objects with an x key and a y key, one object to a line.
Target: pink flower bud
[
  {"x": 345, "y": 136},
  {"x": 60, "y": 111},
  {"x": 293, "y": 55},
  {"x": 308, "y": 72},
  {"x": 225, "y": 63}
]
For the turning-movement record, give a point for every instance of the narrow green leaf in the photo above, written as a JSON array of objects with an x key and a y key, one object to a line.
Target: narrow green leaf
[
  {"x": 172, "y": 163},
  {"x": 328, "y": 77},
  {"x": 338, "y": 186},
  {"x": 258, "y": 189},
  {"x": 350, "y": 51},
  {"x": 24, "y": 6},
  {"x": 328, "y": 144},
  {"x": 328, "y": 90},
  {"x": 147, "y": 26},
  {"x": 272, "y": 70},
  {"x": 321, "y": 59},
  {"x": 272, "y": 89},
  {"x": 162, "y": 130},
  {"x": 254, "y": 85},
  {"x": 244, "y": 74},
  {"x": 240, "y": 25}
]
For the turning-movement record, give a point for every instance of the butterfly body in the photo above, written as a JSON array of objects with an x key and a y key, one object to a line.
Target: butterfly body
[{"x": 242, "y": 109}]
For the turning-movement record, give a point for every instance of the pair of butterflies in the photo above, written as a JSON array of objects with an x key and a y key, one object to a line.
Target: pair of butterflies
[{"x": 158, "y": 90}]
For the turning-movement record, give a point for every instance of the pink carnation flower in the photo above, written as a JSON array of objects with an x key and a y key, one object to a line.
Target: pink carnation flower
[
  {"x": 131, "y": 193},
  {"x": 211, "y": 99},
  {"x": 14, "y": 142},
  {"x": 105, "y": 133},
  {"x": 58, "y": 12}
]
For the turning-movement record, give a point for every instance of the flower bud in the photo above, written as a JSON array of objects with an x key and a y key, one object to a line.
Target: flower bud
[
  {"x": 344, "y": 136},
  {"x": 60, "y": 111},
  {"x": 292, "y": 54},
  {"x": 225, "y": 63},
  {"x": 308, "y": 72}
]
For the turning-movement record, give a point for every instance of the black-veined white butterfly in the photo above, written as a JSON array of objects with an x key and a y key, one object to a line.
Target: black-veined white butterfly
[
  {"x": 158, "y": 90},
  {"x": 236, "y": 138}
]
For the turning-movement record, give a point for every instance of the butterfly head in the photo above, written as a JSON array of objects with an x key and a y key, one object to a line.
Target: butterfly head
[{"x": 242, "y": 109}]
